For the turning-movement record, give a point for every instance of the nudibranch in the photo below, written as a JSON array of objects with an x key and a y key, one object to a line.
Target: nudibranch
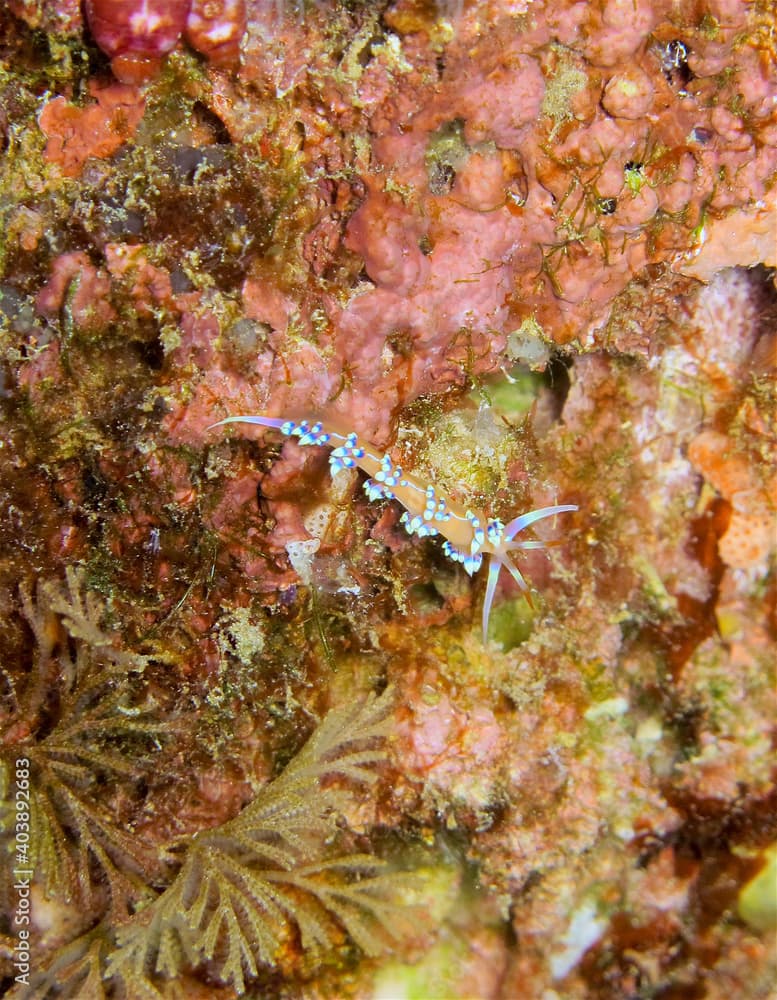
[{"x": 469, "y": 534}]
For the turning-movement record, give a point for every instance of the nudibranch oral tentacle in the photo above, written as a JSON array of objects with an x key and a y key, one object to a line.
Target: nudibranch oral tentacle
[{"x": 469, "y": 535}]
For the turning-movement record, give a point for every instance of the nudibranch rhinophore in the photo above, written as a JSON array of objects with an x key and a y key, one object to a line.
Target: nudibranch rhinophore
[{"x": 469, "y": 534}]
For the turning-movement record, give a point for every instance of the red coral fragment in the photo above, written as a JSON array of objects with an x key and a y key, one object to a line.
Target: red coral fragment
[
  {"x": 75, "y": 281},
  {"x": 76, "y": 133},
  {"x": 149, "y": 285},
  {"x": 750, "y": 535}
]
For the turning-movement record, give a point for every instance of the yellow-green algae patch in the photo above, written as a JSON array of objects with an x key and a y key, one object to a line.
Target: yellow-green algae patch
[
  {"x": 441, "y": 972},
  {"x": 757, "y": 903}
]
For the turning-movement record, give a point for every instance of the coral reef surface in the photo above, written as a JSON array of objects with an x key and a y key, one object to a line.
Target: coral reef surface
[{"x": 252, "y": 740}]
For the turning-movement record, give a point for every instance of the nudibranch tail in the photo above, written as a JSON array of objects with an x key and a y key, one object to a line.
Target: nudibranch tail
[{"x": 469, "y": 535}]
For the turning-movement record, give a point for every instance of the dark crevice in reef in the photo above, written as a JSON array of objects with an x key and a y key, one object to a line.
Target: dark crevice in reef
[{"x": 557, "y": 380}]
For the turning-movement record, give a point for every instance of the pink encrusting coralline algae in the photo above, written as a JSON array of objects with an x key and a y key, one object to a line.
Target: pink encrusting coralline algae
[{"x": 529, "y": 178}]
